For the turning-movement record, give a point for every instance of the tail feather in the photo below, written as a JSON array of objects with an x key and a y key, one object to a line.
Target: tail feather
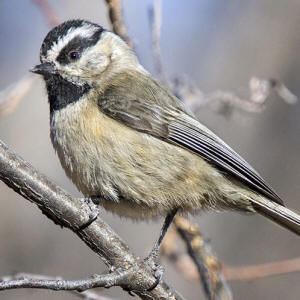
[{"x": 277, "y": 213}]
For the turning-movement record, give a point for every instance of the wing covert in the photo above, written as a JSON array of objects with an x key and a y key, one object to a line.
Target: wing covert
[{"x": 157, "y": 112}]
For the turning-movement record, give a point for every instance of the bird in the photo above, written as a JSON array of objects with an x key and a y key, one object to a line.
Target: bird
[{"x": 129, "y": 144}]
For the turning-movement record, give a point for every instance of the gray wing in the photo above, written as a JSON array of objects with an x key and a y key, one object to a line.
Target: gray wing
[{"x": 157, "y": 112}]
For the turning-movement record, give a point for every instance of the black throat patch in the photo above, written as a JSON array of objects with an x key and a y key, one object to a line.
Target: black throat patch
[{"x": 62, "y": 92}]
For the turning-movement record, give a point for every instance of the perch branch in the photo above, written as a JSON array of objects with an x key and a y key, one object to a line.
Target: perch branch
[
  {"x": 69, "y": 212},
  {"x": 106, "y": 281},
  {"x": 224, "y": 101}
]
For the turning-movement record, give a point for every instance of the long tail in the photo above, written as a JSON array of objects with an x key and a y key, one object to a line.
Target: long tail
[{"x": 277, "y": 213}]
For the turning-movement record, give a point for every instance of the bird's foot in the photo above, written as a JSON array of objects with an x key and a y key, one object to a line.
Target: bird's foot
[
  {"x": 93, "y": 213},
  {"x": 149, "y": 264},
  {"x": 158, "y": 271}
]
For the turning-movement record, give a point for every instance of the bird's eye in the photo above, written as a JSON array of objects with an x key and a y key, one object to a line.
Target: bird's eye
[{"x": 73, "y": 55}]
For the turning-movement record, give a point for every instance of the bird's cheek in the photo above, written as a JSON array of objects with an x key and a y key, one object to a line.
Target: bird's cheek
[{"x": 97, "y": 64}]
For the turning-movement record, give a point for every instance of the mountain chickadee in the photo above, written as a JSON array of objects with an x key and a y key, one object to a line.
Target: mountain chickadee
[{"x": 126, "y": 140}]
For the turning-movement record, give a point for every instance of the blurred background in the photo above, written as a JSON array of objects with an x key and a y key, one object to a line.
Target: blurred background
[{"x": 218, "y": 45}]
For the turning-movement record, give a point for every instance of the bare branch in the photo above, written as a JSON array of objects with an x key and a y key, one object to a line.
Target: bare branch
[
  {"x": 116, "y": 19},
  {"x": 262, "y": 270},
  {"x": 87, "y": 295},
  {"x": 185, "y": 265},
  {"x": 66, "y": 211},
  {"x": 259, "y": 89},
  {"x": 209, "y": 268},
  {"x": 48, "y": 12},
  {"x": 108, "y": 280},
  {"x": 181, "y": 260}
]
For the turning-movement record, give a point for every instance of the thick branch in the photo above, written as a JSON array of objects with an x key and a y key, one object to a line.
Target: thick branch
[{"x": 69, "y": 212}]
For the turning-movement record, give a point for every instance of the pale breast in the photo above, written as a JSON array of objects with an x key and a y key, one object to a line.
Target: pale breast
[{"x": 137, "y": 175}]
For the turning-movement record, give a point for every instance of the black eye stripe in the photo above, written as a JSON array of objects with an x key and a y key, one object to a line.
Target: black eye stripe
[
  {"x": 77, "y": 44},
  {"x": 63, "y": 29}
]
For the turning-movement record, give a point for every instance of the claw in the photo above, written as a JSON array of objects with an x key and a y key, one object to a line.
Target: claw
[
  {"x": 93, "y": 215},
  {"x": 158, "y": 270}
]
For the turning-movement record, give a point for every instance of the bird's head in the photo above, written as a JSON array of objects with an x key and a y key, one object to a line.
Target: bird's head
[
  {"x": 83, "y": 53},
  {"x": 77, "y": 56}
]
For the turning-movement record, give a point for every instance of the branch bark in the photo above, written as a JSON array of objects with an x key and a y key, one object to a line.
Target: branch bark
[
  {"x": 208, "y": 266},
  {"x": 117, "y": 278},
  {"x": 27, "y": 277},
  {"x": 69, "y": 212}
]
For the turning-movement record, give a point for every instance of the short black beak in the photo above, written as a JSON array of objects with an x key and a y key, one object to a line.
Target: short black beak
[{"x": 43, "y": 69}]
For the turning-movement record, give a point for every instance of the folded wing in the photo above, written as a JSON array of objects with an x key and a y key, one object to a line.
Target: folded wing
[{"x": 156, "y": 111}]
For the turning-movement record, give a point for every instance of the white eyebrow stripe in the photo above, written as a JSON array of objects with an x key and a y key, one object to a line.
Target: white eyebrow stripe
[{"x": 86, "y": 31}]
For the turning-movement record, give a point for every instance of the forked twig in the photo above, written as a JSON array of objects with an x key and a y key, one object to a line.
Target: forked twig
[{"x": 224, "y": 101}]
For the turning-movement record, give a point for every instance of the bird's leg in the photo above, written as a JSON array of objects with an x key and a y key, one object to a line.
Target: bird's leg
[
  {"x": 91, "y": 202},
  {"x": 151, "y": 259},
  {"x": 168, "y": 220}
]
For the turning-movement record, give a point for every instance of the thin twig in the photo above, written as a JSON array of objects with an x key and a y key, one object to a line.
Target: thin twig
[
  {"x": 262, "y": 270},
  {"x": 48, "y": 12},
  {"x": 259, "y": 90},
  {"x": 116, "y": 19},
  {"x": 185, "y": 265},
  {"x": 209, "y": 268},
  {"x": 34, "y": 282},
  {"x": 87, "y": 295}
]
